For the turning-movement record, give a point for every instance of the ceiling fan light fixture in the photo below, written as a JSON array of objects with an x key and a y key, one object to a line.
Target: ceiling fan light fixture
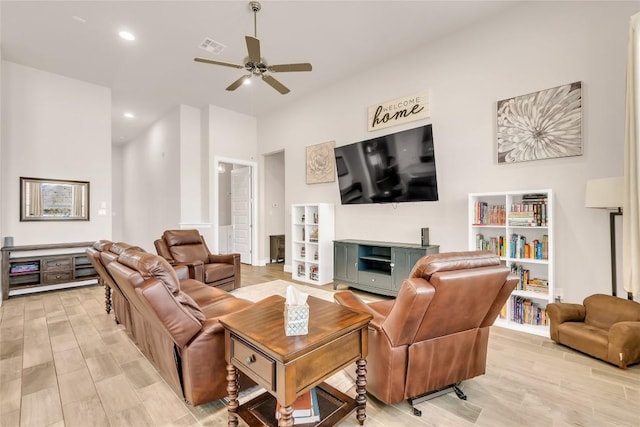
[
  {"x": 255, "y": 64},
  {"x": 127, "y": 35}
]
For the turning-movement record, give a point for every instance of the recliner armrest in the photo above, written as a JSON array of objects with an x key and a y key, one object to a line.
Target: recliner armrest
[
  {"x": 181, "y": 270},
  {"x": 225, "y": 259},
  {"x": 196, "y": 269},
  {"x": 350, "y": 300}
]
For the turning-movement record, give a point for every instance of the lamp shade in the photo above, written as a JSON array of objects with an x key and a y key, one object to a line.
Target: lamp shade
[{"x": 604, "y": 193}]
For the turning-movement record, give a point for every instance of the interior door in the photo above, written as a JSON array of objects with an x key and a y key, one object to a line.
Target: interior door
[{"x": 241, "y": 221}]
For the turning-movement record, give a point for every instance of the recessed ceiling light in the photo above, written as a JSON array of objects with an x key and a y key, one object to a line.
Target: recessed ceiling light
[
  {"x": 129, "y": 115},
  {"x": 127, "y": 35}
]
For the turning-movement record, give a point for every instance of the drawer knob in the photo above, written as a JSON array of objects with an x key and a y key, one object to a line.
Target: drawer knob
[{"x": 250, "y": 359}]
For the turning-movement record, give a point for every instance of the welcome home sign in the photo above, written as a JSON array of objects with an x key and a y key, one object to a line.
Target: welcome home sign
[{"x": 401, "y": 110}]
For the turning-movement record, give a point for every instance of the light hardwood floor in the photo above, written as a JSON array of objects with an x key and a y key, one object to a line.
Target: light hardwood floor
[{"x": 64, "y": 362}]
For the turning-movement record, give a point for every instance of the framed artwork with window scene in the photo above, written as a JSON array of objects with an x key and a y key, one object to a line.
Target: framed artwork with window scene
[{"x": 53, "y": 200}]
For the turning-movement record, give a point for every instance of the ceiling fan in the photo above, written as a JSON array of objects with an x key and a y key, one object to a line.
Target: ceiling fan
[{"x": 255, "y": 64}]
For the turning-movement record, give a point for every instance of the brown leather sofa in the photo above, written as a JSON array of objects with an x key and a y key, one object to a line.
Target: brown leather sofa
[
  {"x": 435, "y": 333},
  {"x": 603, "y": 326},
  {"x": 187, "y": 247},
  {"x": 100, "y": 254},
  {"x": 175, "y": 323}
]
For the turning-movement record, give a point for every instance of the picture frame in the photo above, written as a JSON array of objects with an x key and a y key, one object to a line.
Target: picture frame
[
  {"x": 321, "y": 163},
  {"x": 53, "y": 200},
  {"x": 540, "y": 125}
]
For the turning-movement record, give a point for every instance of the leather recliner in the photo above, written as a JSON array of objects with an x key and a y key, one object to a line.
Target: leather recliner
[
  {"x": 435, "y": 333},
  {"x": 100, "y": 254},
  {"x": 176, "y": 324},
  {"x": 603, "y": 326},
  {"x": 187, "y": 247}
]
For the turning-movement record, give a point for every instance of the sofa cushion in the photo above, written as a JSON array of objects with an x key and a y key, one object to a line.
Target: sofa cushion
[
  {"x": 602, "y": 311},
  {"x": 585, "y": 338},
  {"x": 119, "y": 247},
  {"x": 149, "y": 265},
  {"x": 202, "y": 294}
]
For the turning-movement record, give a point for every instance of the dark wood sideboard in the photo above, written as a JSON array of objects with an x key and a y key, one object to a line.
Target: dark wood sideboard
[{"x": 35, "y": 268}]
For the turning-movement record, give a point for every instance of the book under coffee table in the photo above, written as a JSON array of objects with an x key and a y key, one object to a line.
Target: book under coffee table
[{"x": 287, "y": 366}]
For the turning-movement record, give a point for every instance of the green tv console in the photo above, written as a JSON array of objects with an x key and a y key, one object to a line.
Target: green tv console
[{"x": 376, "y": 267}]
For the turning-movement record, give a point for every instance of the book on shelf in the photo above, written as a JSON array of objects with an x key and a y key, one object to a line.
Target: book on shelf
[
  {"x": 485, "y": 214},
  {"x": 526, "y": 312},
  {"x": 305, "y": 408}
]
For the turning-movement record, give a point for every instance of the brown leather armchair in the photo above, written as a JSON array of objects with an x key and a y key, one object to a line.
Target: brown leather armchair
[
  {"x": 435, "y": 333},
  {"x": 603, "y": 326},
  {"x": 187, "y": 247}
]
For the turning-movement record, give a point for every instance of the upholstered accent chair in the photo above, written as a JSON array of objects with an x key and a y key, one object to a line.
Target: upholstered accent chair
[
  {"x": 435, "y": 333},
  {"x": 187, "y": 247},
  {"x": 603, "y": 326}
]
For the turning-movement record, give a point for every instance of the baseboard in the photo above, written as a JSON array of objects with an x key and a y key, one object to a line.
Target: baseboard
[{"x": 287, "y": 268}]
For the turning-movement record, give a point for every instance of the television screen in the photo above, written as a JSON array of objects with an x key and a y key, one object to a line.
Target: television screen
[{"x": 400, "y": 167}]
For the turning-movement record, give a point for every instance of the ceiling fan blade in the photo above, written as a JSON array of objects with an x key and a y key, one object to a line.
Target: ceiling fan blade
[
  {"x": 275, "y": 84},
  {"x": 284, "y": 68},
  {"x": 235, "y": 85},
  {"x": 225, "y": 64},
  {"x": 253, "y": 47}
]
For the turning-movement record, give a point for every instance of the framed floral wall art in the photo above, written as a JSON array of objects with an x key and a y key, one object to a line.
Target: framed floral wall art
[
  {"x": 321, "y": 163},
  {"x": 541, "y": 125}
]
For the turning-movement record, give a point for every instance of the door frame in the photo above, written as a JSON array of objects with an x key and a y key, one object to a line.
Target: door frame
[{"x": 254, "y": 202}]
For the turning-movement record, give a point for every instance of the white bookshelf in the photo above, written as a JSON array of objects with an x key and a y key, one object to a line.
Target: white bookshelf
[
  {"x": 514, "y": 253},
  {"x": 312, "y": 235}
]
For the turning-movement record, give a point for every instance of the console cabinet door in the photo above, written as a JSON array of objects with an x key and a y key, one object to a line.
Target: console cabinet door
[
  {"x": 345, "y": 262},
  {"x": 403, "y": 260}
]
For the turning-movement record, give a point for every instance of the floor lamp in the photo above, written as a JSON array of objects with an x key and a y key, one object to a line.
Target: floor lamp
[{"x": 606, "y": 193}]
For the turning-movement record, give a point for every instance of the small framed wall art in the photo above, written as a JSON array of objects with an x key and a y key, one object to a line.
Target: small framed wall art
[
  {"x": 541, "y": 125},
  {"x": 321, "y": 163}
]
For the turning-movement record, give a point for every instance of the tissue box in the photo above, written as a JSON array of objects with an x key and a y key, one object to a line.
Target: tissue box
[{"x": 296, "y": 319}]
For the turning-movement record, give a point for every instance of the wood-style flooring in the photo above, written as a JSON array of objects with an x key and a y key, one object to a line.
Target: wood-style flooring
[{"x": 65, "y": 362}]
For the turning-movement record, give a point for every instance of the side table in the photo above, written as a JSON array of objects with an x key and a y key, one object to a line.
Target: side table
[{"x": 287, "y": 366}]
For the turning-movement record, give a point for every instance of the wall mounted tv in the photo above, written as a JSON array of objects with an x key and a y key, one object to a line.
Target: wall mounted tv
[{"x": 400, "y": 167}]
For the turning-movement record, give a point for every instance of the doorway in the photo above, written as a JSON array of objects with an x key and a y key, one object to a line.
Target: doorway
[
  {"x": 276, "y": 211},
  {"x": 234, "y": 207}
]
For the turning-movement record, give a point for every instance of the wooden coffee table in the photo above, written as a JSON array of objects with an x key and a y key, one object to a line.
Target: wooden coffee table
[{"x": 286, "y": 367}]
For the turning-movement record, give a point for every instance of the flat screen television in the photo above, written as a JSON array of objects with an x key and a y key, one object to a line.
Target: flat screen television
[{"x": 399, "y": 167}]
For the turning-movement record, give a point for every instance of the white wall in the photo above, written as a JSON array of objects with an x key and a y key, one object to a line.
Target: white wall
[
  {"x": 117, "y": 183},
  {"x": 151, "y": 177},
  {"x": 224, "y": 195},
  {"x": 531, "y": 47},
  {"x": 165, "y": 182},
  {"x": 59, "y": 128},
  {"x": 190, "y": 166},
  {"x": 228, "y": 135}
]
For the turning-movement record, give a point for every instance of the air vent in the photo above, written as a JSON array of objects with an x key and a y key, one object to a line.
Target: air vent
[{"x": 212, "y": 46}]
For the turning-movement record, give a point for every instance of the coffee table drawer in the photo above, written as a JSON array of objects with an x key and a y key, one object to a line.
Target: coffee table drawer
[{"x": 254, "y": 362}]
